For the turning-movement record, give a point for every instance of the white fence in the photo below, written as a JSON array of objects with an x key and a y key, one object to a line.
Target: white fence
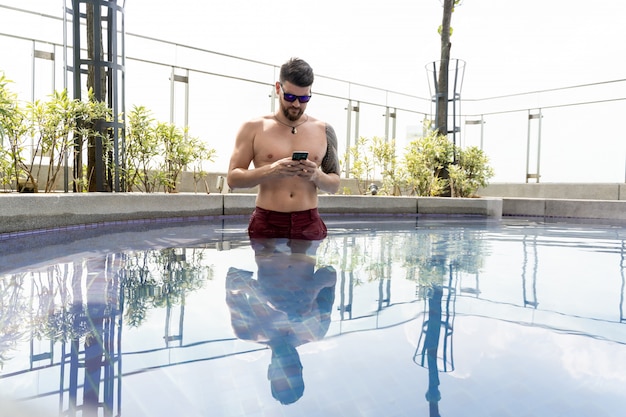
[{"x": 569, "y": 134}]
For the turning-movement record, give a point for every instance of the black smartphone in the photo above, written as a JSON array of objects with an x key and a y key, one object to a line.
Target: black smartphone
[{"x": 299, "y": 155}]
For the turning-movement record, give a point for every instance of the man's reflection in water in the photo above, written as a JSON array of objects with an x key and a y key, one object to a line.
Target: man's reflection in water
[{"x": 287, "y": 305}]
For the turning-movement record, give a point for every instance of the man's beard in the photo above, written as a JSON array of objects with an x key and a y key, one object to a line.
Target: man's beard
[{"x": 291, "y": 116}]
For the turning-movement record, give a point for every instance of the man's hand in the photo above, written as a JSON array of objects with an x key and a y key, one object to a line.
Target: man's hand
[
  {"x": 287, "y": 167},
  {"x": 307, "y": 170}
]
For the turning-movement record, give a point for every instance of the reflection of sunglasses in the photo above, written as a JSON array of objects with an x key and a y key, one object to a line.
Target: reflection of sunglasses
[{"x": 292, "y": 97}]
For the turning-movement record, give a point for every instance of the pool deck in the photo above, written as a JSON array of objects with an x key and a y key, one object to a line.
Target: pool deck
[{"x": 20, "y": 213}]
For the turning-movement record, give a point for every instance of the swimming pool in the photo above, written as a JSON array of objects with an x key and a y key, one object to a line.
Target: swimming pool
[{"x": 389, "y": 316}]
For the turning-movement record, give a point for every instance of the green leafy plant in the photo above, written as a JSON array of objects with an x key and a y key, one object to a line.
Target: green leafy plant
[
  {"x": 57, "y": 126},
  {"x": 13, "y": 127},
  {"x": 158, "y": 152},
  {"x": 425, "y": 160},
  {"x": 180, "y": 151},
  {"x": 142, "y": 146},
  {"x": 43, "y": 133},
  {"x": 471, "y": 172},
  {"x": 362, "y": 167},
  {"x": 426, "y": 169},
  {"x": 6, "y": 169},
  {"x": 384, "y": 152},
  {"x": 376, "y": 156}
]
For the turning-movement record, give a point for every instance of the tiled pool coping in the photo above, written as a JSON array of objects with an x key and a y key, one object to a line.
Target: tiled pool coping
[{"x": 35, "y": 213}]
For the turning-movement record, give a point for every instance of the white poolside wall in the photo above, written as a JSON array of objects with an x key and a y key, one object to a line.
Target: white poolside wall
[
  {"x": 32, "y": 212},
  {"x": 28, "y": 212}
]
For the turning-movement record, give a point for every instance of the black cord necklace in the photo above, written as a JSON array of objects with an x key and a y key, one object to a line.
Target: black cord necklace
[{"x": 293, "y": 128}]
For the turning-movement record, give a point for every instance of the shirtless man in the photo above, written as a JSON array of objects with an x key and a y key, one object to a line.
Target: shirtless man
[{"x": 286, "y": 205}]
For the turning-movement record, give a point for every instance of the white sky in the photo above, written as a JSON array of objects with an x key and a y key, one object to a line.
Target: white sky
[{"x": 509, "y": 46}]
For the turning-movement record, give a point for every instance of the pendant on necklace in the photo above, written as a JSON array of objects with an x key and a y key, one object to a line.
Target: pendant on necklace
[{"x": 294, "y": 130}]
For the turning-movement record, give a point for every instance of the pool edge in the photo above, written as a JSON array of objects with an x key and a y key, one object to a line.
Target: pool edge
[{"x": 28, "y": 212}]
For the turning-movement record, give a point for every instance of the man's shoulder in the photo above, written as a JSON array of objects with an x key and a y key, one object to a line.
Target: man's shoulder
[
  {"x": 320, "y": 123},
  {"x": 256, "y": 125},
  {"x": 315, "y": 120},
  {"x": 260, "y": 120}
]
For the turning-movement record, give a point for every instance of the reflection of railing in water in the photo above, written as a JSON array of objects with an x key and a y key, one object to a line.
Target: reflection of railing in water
[
  {"x": 97, "y": 361},
  {"x": 437, "y": 327},
  {"x": 60, "y": 363},
  {"x": 383, "y": 293},
  {"x": 439, "y": 314},
  {"x": 91, "y": 376},
  {"x": 106, "y": 380},
  {"x": 81, "y": 303},
  {"x": 532, "y": 302},
  {"x": 622, "y": 264},
  {"x": 530, "y": 239}
]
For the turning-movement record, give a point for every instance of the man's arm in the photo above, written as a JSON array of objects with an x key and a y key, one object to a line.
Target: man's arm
[
  {"x": 330, "y": 163},
  {"x": 327, "y": 179},
  {"x": 240, "y": 175}
]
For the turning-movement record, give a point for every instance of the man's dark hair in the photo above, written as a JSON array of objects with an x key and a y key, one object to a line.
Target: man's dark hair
[{"x": 297, "y": 72}]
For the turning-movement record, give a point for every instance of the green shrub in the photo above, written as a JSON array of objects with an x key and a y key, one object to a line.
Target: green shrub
[
  {"x": 13, "y": 126},
  {"x": 158, "y": 152},
  {"x": 362, "y": 165},
  {"x": 40, "y": 133},
  {"x": 426, "y": 169},
  {"x": 470, "y": 173},
  {"x": 425, "y": 160}
]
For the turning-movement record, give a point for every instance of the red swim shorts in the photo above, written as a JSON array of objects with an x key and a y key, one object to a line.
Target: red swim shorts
[{"x": 307, "y": 225}]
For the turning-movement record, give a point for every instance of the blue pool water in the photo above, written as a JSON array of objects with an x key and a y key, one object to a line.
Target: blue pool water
[{"x": 388, "y": 316}]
